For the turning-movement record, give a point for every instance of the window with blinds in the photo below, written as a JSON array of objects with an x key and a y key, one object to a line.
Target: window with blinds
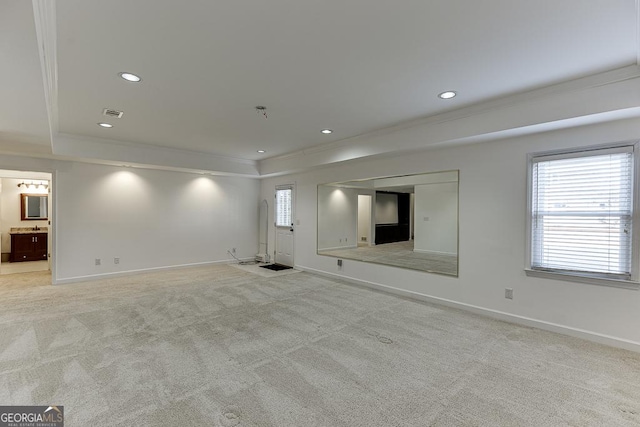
[
  {"x": 283, "y": 207},
  {"x": 582, "y": 210}
]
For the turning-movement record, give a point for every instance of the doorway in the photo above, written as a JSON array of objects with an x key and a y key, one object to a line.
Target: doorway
[
  {"x": 25, "y": 222},
  {"x": 284, "y": 202},
  {"x": 364, "y": 220}
]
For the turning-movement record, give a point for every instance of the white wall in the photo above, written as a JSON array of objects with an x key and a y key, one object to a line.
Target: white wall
[
  {"x": 338, "y": 218},
  {"x": 386, "y": 208},
  {"x": 10, "y": 215},
  {"x": 436, "y": 224},
  {"x": 149, "y": 219},
  {"x": 492, "y": 235},
  {"x": 364, "y": 218}
]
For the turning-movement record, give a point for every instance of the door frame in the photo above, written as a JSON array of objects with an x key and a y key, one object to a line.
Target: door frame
[
  {"x": 52, "y": 206},
  {"x": 275, "y": 220}
]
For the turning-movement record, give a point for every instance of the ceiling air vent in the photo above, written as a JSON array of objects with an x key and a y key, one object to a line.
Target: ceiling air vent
[{"x": 112, "y": 113}]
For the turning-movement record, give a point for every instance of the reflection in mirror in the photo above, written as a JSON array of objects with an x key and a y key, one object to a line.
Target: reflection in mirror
[
  {"x": 33, "y": 206},
  {"x": 405, "y": 221}
]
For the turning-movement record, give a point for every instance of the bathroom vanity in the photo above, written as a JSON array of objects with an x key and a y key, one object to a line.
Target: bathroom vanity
[{"x": 28, "y": 245}]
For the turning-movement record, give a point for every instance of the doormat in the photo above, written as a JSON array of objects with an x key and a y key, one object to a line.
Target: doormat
[{"x": 276, "y": 267}]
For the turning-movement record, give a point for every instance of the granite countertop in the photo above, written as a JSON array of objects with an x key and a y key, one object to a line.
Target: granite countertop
[{"x": 28, "y": 230}]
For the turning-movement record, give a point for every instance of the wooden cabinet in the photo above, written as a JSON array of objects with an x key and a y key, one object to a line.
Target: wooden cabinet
[{"x": 28, "y": 247}]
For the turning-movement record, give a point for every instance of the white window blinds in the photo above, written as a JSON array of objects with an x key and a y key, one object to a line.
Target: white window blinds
[
  {"x": 582, "y": 211},
  {"x": 283, "y": 207}
]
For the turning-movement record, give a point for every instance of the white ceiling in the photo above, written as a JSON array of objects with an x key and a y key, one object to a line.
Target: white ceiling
[
  {"x": 355, "y": 67},
  {"x": 24, "y": 125}
]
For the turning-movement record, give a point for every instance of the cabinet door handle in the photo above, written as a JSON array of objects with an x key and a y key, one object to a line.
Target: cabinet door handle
[
  {"x": 32, "y": 239},
  {"x": 36, "y": 240}
]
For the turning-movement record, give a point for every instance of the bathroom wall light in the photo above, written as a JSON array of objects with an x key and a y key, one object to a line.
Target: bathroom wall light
[
  {"x": 105, "y": 125},
  {"x": 326, "y": 131},
  {"x": 34, "y": 184}
]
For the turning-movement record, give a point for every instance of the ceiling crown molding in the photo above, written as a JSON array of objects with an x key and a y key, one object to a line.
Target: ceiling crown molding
[
  {"x": 44, "y": 12},
  {"x": 607, "y": 96},
  {"x": 108, "y": 151},
  {"x": 567, "y": 87}
]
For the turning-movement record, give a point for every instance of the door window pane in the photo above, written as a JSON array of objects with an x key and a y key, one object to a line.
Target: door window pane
[{"x": 283, "y": 207}]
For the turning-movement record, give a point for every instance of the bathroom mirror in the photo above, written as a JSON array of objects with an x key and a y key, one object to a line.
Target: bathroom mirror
[
  {"x": 33, "y": 206},
  {"x": 408, "y": 221}
]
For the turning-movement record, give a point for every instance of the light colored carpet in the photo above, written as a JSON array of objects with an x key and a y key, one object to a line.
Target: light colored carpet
[
  {"x": 218, "y": 346},
  {"x": 399, "y": 254},
  {"x": 24, "y": 280}
]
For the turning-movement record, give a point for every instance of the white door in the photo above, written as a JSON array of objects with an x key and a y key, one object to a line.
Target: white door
[{"x": 284, "y": 225}]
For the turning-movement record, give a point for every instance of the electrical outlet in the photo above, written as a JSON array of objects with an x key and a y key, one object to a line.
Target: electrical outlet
[
  {"x": 339, "y": 263},
  {"x": 116, "y": 260},
  {"x": 363, "y": 238},
  {"x": 98, "y": 262},
  {"x": 508, "y": 293}
]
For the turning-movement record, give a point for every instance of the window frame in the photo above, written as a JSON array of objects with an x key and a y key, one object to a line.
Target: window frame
[{"x": 584, "y": 277}]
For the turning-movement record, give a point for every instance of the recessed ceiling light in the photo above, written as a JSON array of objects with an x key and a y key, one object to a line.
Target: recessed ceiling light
[
  {"x": 326, "y": 131},
  {"x": 130, "y": 77},
  {"x": 261, "y": 151},
  {"x": 105, "y": 125},
  {"x": 447, "y": 95}
]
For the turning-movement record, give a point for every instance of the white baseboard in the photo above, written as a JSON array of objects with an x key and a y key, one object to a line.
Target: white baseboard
[
  {"x": 100, "y": 276},
  {"x": 495, "y": 314},
  {"x": 338, "y": 247},
  {"x": 422, "y": 251}
]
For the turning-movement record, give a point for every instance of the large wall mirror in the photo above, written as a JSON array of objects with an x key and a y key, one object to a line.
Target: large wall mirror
[
  {"x": 33, "y": 206},
  {"x": 406, "y": 221}
]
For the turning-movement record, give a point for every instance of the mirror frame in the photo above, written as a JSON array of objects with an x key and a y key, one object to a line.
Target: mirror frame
[
  {"x": 23, "y": 207},
  {"x": 336, "y": 184}
]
